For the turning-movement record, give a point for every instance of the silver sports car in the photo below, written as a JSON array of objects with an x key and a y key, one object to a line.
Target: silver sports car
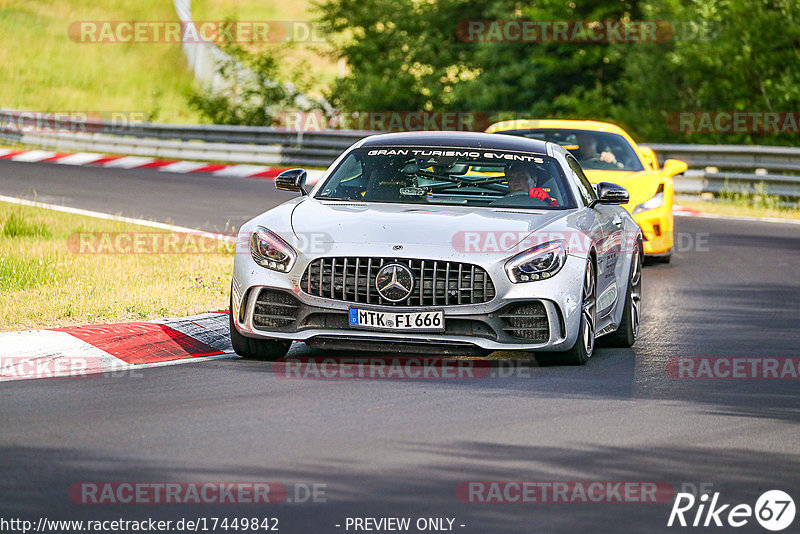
[{"x": 443, "y": 243}]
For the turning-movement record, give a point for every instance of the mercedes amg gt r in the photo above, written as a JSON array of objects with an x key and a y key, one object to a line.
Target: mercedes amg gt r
[{"x": 444, "y": 243}]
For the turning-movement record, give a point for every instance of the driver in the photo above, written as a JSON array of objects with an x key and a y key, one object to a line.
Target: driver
[
  {"x": 587, "y": 150},
  {"x": 522, "y": 181}
]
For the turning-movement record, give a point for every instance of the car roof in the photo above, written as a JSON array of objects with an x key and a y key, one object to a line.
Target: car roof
[
  {"x": 457, "y": 140},
  {"x": 529, "y": 124}
]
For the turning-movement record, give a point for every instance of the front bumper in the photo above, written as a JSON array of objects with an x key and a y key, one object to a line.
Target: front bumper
[
  {"x": 487, "y": 326},
  {"x": 657, "y": 229}
]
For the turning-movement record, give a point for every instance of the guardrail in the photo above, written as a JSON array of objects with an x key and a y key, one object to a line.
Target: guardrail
[
  {"x": 713, "y": 168},
  {"x": 281, "y": 149},
  {"x": 717, "y": 168},
  {"x": 237, "y": 144}
]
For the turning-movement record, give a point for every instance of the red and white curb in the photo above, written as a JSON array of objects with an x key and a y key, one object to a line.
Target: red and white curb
[
  {"x": 87, "y": 351},
  {"x": 139, "y": 162},
  {"x": 686, "y": 212}
]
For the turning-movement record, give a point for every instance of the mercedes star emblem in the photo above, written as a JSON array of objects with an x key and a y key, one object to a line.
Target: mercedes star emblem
[{"x": 394, "y": 282}]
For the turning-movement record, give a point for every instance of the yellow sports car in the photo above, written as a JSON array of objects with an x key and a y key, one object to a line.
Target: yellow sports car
[{"x": 608, "y": 154}]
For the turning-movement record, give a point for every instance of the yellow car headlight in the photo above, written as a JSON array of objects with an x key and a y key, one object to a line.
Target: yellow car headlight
[{"x": 654, "y": 202}]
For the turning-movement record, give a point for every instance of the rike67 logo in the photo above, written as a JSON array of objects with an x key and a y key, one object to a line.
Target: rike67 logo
[{"x": 774, "y": 510}]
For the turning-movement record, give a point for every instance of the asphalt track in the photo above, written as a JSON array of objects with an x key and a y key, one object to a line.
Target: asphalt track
[{"x": 400, "y": 448}]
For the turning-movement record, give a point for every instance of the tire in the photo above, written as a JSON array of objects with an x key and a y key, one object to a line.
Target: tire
[
  {"x": 658, "y": 258},
  {"x": 583, "y": 348},
  {"x": 628, "y": 330},
  {"x": 257, "y": 349}
]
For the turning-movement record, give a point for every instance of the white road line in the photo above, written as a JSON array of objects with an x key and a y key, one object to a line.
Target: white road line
[{"x": 119, "y": 218}]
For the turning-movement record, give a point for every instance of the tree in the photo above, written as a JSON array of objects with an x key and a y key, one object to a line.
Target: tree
[
  {"x": 728, "y": 55},
  {"x": 253, "y": 92},
  {"x": 403, "y": 54}
]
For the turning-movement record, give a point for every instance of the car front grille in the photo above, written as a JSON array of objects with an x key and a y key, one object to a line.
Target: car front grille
[
  {"x": 436, "y": 283},
  {"x": 527, "y": 321},
  {"x": 275, "y": 309}
]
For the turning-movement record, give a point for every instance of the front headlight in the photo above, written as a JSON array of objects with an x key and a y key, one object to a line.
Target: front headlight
[
  {"x": 269, "y": 250},
  {"x": 654, "y": 202},
  {"x": 537, "y": 263}
]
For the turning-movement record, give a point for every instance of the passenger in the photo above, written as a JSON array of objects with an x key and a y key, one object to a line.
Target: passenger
[{"x": 384, "y": 183}]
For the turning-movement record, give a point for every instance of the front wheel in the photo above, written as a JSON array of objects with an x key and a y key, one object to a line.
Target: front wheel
[
  {"x": 257, "y": 349},
  {"x": 583, "y": 348}
]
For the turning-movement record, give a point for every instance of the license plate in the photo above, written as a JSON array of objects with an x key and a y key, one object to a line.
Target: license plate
[{"x": 429, "y": 321}]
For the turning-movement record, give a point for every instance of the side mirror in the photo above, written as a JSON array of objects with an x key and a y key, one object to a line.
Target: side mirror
[
  {"x": 292, "y": 180},
  {"x": 608, "y": 193},
  {"x": 674, "y": 166}
]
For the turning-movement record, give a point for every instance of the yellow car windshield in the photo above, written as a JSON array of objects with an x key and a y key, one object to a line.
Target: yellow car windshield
[{"x": 602, "y": 151}]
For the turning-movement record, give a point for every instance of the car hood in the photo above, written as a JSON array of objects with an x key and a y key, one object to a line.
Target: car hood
[
  {"x": 615, "y": 177},
  {"x": 352, "y": 222}
]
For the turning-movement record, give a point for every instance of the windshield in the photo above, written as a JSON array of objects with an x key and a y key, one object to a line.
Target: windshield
[
  {"x": 594, "y": 150},
  {"x": 437, "y": 175}
]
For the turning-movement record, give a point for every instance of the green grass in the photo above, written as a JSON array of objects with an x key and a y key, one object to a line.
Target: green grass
[
  {"x": 744, "y": 203},
  {"x": 45, "y": 281},
  {"x": 19, "y": 273},
  {"x": 16, "y": 225},
  {"x": 44, "y": 70}
]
